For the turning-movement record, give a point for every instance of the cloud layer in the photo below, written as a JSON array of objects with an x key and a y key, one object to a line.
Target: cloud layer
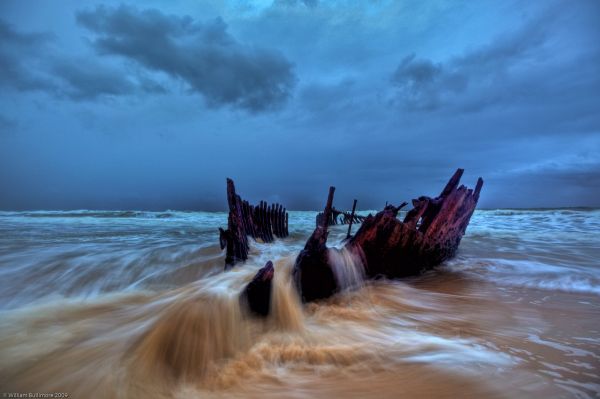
[{"x": 117, "y": 106}]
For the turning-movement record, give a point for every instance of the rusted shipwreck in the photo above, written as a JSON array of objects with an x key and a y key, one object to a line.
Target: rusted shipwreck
[{"x": 429, "y": 234}]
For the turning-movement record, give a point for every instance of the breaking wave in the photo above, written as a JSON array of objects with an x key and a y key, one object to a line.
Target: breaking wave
[{"x": 531, "y": 274}]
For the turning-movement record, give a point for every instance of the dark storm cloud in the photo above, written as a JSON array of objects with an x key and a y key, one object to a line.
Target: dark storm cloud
[
  {"x": 16, "y": 48},
  {"x": 29, "y": 62},
  {"x": 88, "y": 80},
  {"x": 412, "y": 73},
  {"x": 9, "y": 36},
  {"x": 577, "y": 177},
  {"x": 422, "y": 83},
  {"x": 204, "y": 55},
  {"x": 479, "y": 77}
]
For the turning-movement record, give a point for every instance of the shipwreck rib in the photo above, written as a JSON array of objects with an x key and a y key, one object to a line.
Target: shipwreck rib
[
  {"x": 341, "y": 217},
  {"x": 261, "y": 222},
  {"x": 351, "y": 219}
]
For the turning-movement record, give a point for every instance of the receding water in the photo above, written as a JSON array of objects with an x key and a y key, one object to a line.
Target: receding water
[{"x": 136, "y": 305}]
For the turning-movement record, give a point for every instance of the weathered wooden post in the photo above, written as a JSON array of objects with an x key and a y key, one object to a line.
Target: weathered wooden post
[
  {"x": 235, "y": 236},
  {"x": 351, "y": 219}
]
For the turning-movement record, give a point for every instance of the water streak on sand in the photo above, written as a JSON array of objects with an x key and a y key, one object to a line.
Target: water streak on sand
[{"x": 127, "y": 304}]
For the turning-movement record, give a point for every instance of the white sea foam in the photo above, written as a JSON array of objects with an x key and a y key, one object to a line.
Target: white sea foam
[
  {"x": 531, "y": 274},
  {"x": 347, "y": 268}
]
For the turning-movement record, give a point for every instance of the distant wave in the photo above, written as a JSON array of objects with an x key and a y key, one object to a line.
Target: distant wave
[
  {"x": 522, "y": 211},
  {"x": 525, "y": 273},
  {"x": 92, "y": 214}
]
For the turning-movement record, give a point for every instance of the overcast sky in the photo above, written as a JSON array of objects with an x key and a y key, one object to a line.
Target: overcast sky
[{"x": 111, "y": 105}]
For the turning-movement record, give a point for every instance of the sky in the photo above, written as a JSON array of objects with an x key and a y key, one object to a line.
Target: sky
[{"x": 151, "y": 105}]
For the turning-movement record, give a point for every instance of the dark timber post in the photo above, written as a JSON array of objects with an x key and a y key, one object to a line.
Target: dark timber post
[
  {"x": 327, "y": 212},
  {"x": 235, "y": 236},
  {"x": 351, "y": 219}
]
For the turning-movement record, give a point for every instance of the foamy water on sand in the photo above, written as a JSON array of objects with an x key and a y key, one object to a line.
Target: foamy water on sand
[{"x": 136, "y": 304}]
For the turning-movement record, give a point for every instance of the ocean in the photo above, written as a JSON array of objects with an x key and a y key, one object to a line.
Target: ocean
[{"x": 132, "y": 304}]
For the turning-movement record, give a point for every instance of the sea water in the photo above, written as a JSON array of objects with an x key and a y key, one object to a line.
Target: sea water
[{"x": 131, "y": 304}]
